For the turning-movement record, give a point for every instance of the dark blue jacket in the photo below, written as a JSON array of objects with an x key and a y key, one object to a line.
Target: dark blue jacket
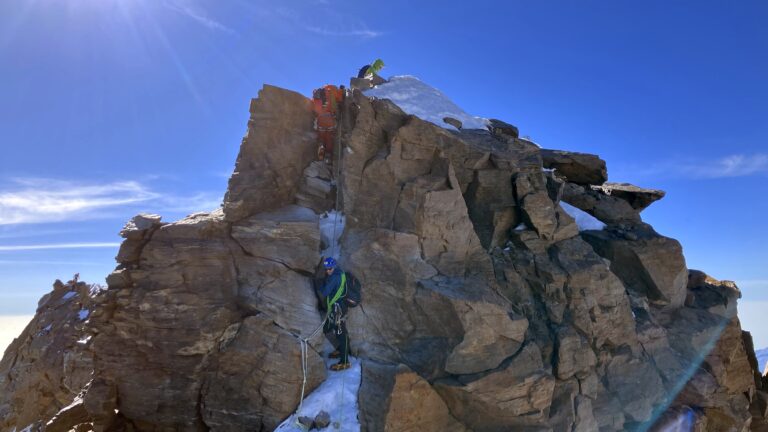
[{"x": 332, "y": 283}]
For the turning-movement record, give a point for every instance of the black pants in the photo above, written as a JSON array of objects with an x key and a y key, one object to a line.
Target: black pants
[{"x": 336, "y": 329}]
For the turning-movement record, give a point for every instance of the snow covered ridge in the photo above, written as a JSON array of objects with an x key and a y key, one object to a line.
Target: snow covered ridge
[{"x": 425, "y": 102}]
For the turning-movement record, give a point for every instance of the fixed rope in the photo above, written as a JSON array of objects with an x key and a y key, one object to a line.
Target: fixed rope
[
  {"x": 345, "y": 355},
  {"x": 336, "y": 178},
  {"x": 304, "y": 342}
]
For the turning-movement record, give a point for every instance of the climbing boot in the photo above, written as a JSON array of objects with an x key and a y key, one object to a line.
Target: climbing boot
[
  {"x": 334, "y": 355},
  {"x": 340, "y": 366}
]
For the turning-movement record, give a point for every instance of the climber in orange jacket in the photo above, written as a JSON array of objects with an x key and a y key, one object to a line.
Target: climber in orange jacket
[{"x": 325, "y": 103}]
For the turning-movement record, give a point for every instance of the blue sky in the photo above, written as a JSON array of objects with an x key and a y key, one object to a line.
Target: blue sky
[{"x": 112, "y": 107}]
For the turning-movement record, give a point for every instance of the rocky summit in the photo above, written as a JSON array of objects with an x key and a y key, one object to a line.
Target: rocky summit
[{"x": 486, "y": 306}]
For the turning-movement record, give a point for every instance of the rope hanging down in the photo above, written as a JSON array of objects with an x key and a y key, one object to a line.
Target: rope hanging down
[
  {"x": 304, "y": 342},
  {"x": 336, "y": 178}
]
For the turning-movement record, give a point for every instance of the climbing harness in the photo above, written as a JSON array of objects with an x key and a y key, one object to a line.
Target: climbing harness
[
  {"x": 339, "y": 293},
  {"x": 304, "y": 342}
]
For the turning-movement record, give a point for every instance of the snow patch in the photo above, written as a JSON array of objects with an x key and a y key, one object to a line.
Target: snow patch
[
  {"x": 528, "y": 139},
  {"x": 68, "y": 295},
  {"x": 584, "y": 220},
  {"x": 83, "y": 314},
  {"x": 331, "y": 228},
  {"x": 425, "y": 102},
  {"x": 520, "y": 227},
  {"x": 684, "y": 422},
  {"x": 84, "y": 340},
  {"x": 95, "y": 290},
  {"x": 337, "y": 396}
]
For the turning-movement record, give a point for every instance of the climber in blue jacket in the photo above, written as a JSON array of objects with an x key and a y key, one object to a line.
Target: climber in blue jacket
[{"x": 333, "y": 292}]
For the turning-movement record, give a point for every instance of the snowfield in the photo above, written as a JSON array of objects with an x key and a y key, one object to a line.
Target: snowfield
[
  {"x": 425, "y": 102},
  {"x": 337, "y": 396}
]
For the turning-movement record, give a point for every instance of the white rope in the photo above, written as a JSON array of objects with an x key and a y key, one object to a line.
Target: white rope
[
  {"x": 337, "y": 175},
  {"x": 344, "y": 355},
  {"x": 304, "y": 342}
]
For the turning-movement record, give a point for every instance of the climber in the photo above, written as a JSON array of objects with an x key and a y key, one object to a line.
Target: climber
[
  {"x": 333, "y": 291},
  {"x": 325, "y": 103},
  {"x": 363, "y": 72},
  {"x": 370, "y": 70}
]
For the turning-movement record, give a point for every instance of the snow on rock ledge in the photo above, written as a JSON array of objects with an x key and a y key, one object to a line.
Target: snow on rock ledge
[
  {"x": 584, "y": 220},
  {"x": 424, "y": 101},
  {"x": 337, "y": 396}
]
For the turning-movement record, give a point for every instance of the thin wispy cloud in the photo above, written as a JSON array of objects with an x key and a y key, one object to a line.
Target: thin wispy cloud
[
  {"x": 47, "y": 262},
  {"x": 16, "y": 248},
  {"x": 321, "y": 20},
  {"x": 46, "y": 200},
  {"x": 31, "y": 201},
  {"x": 731, "y": 166},
  {"x": 11, "y": 232},
  {"x": 197, "y": 15},
  {"x": 202, "y": 201},
  {"x": 364, "y": 33},
  {"x": 738, "y": 165}
]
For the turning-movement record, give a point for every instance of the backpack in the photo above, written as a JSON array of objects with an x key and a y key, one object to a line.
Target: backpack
[{"x": 354, "y": 296}]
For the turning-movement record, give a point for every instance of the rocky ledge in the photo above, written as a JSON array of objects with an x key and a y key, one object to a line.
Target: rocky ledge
[{"x": 486, "y": 307}]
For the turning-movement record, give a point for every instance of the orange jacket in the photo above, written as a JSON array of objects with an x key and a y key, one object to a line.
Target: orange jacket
[{"x": 326, "y": 110}]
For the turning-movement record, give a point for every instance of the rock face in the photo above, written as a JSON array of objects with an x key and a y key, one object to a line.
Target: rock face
[
  {"x": 484, "y": 307},
  {"x": 48, "y": 365},
  {"x": 579, "y": 168}
]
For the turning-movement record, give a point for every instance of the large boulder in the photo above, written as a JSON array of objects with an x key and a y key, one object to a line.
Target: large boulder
[
  {"x": 608, "y": 209},
  {"x": 636, "y": 384},
  {"x": 136, "y": 233},
  {"x": 258, "y": 358},
  {"x": 579, "y": 168},
  {"x": 394, "y": 398},
  {"x": 537, "y": 207},
  {"x": 432, "y": 323},
  {"x": 492, "y": 206},
  {"x": 517, "y": 394},
  {"x": 637, "y": 197},
  {"x": 289, "y": 236},
  {"x": 279, "y": 145},
  {"x": 204, "y": 300},
  {"x": 317, "y": 190},
  {"x": 503, "y": 129},
  {"x": 648, "y": 263}
]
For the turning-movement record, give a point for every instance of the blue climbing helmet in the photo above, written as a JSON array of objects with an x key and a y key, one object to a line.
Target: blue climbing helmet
[{"x": 329, "y": 263}]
